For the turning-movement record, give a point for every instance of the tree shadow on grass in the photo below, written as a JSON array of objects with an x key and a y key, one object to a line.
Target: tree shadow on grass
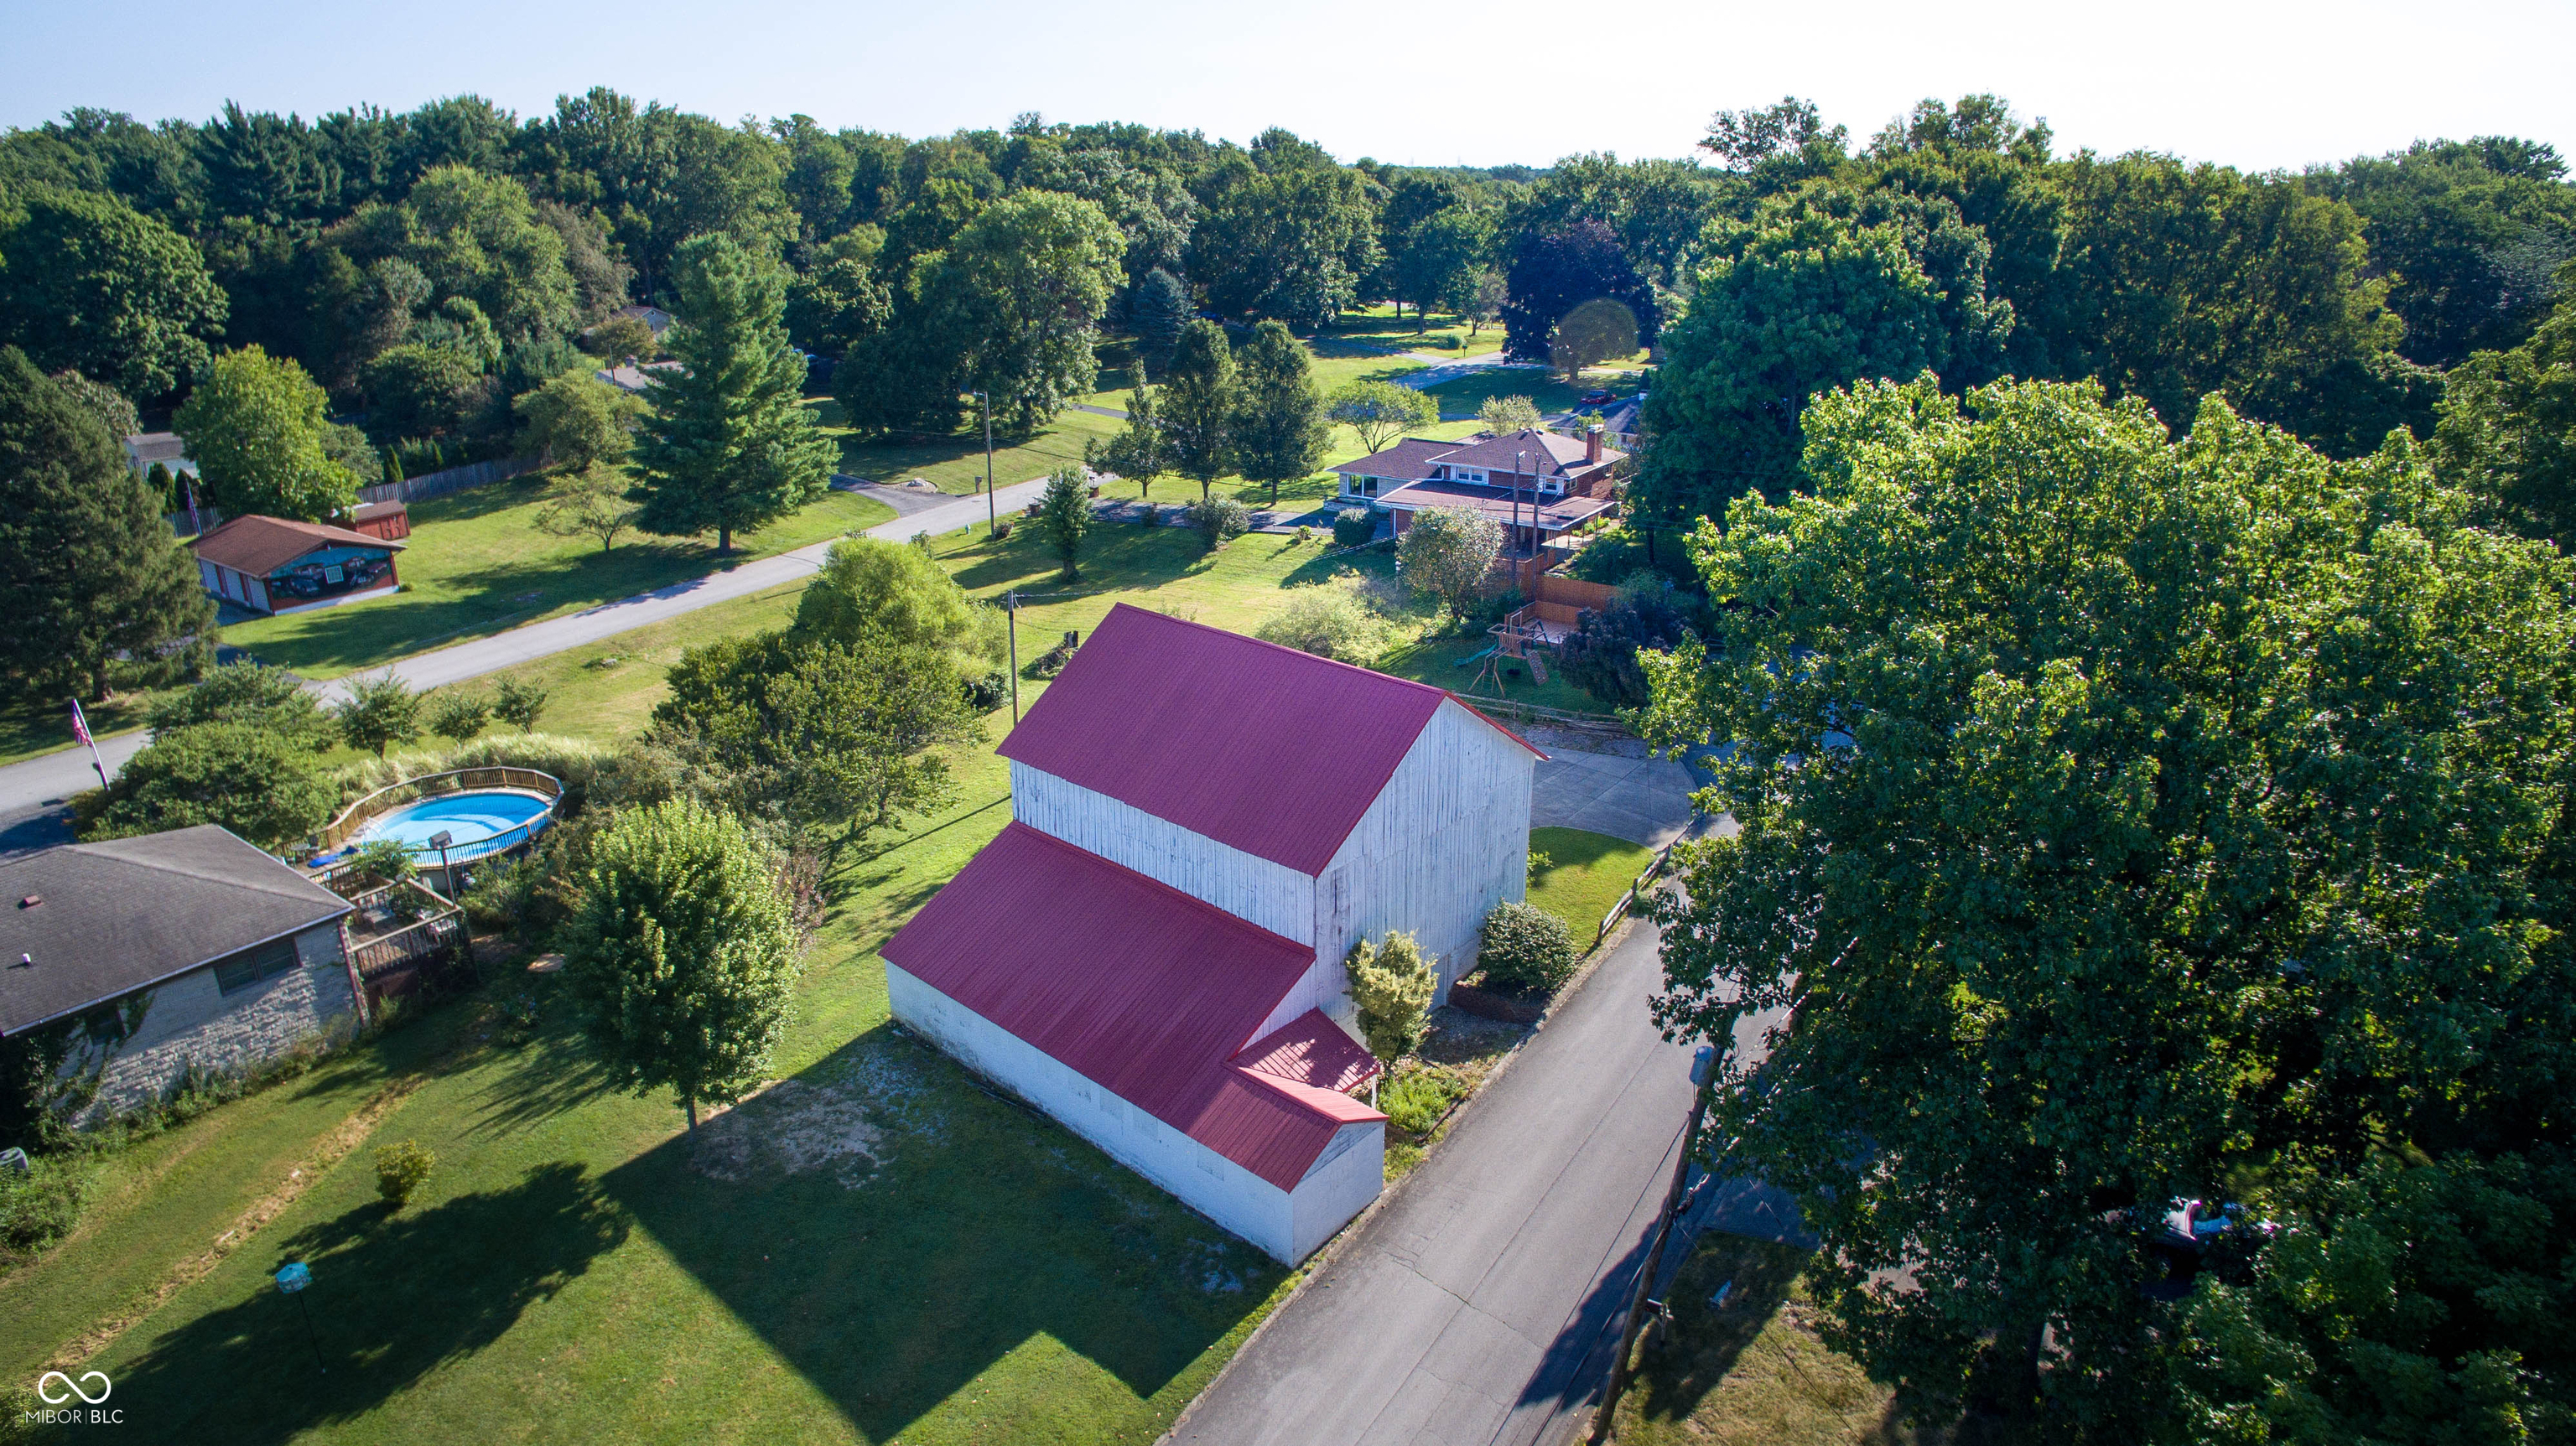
[
  {"x": 392, "y": 1299},
  {"x": 1704, "y": 1339},
  {"x": 977, "y": 1226},
  {"x": 550, "y": 1074}
]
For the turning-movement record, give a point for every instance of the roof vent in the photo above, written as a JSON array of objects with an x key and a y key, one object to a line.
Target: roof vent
[{"x": 31, "y": 901}]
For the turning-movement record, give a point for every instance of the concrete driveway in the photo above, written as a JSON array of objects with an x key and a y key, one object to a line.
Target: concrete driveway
[{"x": 1642, "y": 799}]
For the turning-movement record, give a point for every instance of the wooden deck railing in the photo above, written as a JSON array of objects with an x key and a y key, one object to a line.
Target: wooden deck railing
[{"x": 431, "y": 785}]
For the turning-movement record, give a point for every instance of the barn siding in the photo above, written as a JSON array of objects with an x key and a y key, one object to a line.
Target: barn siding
[
  {"x": 1274, "y": 896},
  {"x": 1287, "y": 1225},
  {"x": 1446, "y": 840}
]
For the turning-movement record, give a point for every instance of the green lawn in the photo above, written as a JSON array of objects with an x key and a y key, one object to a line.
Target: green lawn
[
  {"x": 477, "y": 565},
  {"x": 1461, "y": 396},
  {"x": 955, "y": 462},
  {"x": 578, "y": 1269},
  {"x": 1586, "y": 873},
  {"x": 833, "y": 1255},
  {"x": 1381, "y": 325},
  {"x": 1752, "y": 1372}
]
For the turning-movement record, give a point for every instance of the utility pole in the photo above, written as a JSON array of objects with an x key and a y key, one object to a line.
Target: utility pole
[
  {"x": 1703, "y": 1064},
  {"x": 992, "y": 517},
  {"x": 1011, "y": 610},
  {"x": 1520, "y": 464}
]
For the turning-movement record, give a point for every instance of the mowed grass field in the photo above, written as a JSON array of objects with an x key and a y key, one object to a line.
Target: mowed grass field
[
  {"x": 476, "y": 565},
  {"x": 832, "y": 1261}
]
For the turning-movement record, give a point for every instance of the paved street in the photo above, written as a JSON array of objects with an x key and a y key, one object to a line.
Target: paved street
[
  {"x": 32, "y": 792},
  {"x": 1480, "y": 1302}
]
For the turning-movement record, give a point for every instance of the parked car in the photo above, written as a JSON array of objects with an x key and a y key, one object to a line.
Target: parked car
[
  {"x": 1597, "y": 397},
  {"x": 2182, "y": 1237}
]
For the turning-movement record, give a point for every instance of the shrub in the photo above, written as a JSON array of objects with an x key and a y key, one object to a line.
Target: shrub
[
  {"x": 251, "y": 779},
  {"x": 1304, "y": 535},
  {"x": 985, "y": 691},
  {"x": 1526, "y": 948},
  {"x": 1052, "y": 661},
  {"x": 378, "y": 712},
  {"x": 1220, "y": 519},
  {"x": 459, "y": 715},
  {"x": 1392, "y": 984},
  {"x": 1353, "y": 526},
  {"x": 386, "y": 860},
  {"x": 41, "y": 1206},
  {"x": 1416, "y": 1101},
  {"x": 1601, "y": 655},
  {"x": 1150, "y": 514},
  {"x": 401, "y": 1169},
  {"x": 519, "y": 703},
  {"x": 1330, "y": 622},
  {"x": 1445, "y": 554},
  {"x": 500, "y": 892}
]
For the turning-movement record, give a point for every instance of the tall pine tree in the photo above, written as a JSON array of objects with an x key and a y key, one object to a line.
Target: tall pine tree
[
  {"x": 1198, "y": 403},
  {"x": 89, "y": 572},
  {"x": 1279, "y": 426},
  {"x": 730, "y": 445}
]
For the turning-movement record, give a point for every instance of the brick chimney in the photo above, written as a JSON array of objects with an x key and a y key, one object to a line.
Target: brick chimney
[{"x": 1592, "y": 443}]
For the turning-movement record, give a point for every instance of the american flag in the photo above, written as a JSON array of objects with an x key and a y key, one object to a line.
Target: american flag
[{"x": 80, "y": 725}]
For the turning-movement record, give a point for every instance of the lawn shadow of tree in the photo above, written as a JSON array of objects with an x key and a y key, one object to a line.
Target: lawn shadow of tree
[
  {"x": 550, "y": 1074},
  {"x": 1704, "y": 1339},
  {"x": 980, "y": 1226},
  {"x": 393, "y": 1298}
]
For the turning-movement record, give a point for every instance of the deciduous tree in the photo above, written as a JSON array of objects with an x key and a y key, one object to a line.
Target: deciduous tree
[
  {"x": 1141, "y": 452},
  {"x": 254, "y": 426},
  {"x": 1379, "y": 412},
  {"x": 588, "y": 503},
  {"x": 2071, "y": 862},
  {"x": 1064, "y": 516},
  {"x": 1444, "y": 555},
  {"x": 577, "y": 420},
  {"x": 88, "y": 283},
  {"x": 258, "y": 783},
  {"x": 377, "y": 711},
  {"x": 682, "y": 953}
]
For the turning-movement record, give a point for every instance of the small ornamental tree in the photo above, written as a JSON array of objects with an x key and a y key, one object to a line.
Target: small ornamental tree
[
  {"x": 1444, "y": 555},
  {"x": 1379, "y": 411},
  {"x": 379, "y": 712},
  {"x": 682, "y": 953},
  {"x": 1141, "y": 453},
  {"x": 519, "y": 704},
  {"x": 458, "y": 715},
  {"x": 1503, "y": 416},
  {"x": 588, "y": 503},
  {"x": 1525, "y": 947},
  {"x": 1392, "y": 985},
  {"x": 1064, "y": 515},
  {"x": 401, "y": 1169}
]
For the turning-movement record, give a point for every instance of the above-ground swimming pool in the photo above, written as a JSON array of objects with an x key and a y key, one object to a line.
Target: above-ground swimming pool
[{"x": 483, "y": 821}]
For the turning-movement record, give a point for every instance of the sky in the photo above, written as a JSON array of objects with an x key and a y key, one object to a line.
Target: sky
[{"x": 2253, "y": 83}]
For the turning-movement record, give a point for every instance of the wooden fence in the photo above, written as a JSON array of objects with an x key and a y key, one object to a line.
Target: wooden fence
[
  {"x": 1628, "y": 900},
  {"x": 452, "y": 479},
  {"x": 410, "y": 489}
]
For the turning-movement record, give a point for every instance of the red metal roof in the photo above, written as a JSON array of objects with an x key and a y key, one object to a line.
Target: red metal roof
[
  {"x": 1137, "y": 987},
  {"x": 1311, "y": 1049},
  {"x": 1147, "y": 709}
]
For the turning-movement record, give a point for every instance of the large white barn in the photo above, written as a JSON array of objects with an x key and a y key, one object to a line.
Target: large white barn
[{"x": 1202, "y": 826}]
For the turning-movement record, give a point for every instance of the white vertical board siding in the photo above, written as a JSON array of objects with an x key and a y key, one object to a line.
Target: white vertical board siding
[
  {"x": 1446, "y": 840},
  {"x": 1251, "y": 888},
  {"x": 1285, "y": 1225},
  {"x": 1342, "y": 1182}
]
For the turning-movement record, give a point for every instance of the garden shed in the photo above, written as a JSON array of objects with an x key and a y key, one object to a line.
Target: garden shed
[{"x": 273, "y": 565}]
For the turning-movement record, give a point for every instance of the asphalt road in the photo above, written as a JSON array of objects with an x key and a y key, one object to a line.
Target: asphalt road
[
  {"x": 1480, "y": 1302},
  {"x": 32, "y": 792}
]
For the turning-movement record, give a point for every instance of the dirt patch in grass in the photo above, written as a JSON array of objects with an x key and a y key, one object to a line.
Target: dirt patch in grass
[
  {"x": 1747, "y": 1366},
  {"x": 792, "y": 1128}
]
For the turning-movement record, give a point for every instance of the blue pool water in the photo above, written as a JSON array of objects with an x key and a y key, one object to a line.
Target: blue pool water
[{"x": 480, "y": 823}]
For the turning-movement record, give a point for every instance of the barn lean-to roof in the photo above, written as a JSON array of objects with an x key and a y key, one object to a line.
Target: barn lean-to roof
[
  {"x": 1144, "y": 991},
  {"x": 1147, "y": 708}
]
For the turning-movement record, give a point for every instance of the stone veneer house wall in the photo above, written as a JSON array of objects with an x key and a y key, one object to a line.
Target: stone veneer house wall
[{"x": 155, "y": 955}]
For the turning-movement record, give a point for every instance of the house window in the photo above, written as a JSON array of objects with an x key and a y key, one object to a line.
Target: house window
[
  {"x": 1470, "y": 474},
  {"x": 1551, "y": 485},
  {"x": 253, "y": 965}
]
